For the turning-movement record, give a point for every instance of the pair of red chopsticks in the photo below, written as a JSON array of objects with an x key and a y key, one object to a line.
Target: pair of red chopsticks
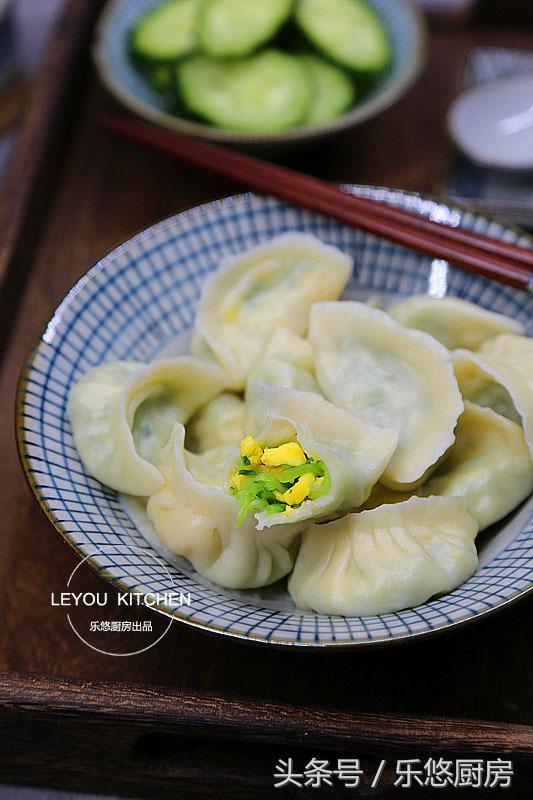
[{"x": 507, "y": 263}]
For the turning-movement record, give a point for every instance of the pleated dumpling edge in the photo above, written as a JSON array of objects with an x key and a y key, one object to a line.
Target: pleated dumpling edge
[{"x": 386, "y": 559}]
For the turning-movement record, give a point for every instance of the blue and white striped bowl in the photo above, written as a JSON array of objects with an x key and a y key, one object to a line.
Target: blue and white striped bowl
[
  {"x": 117, "y": 72},
  {"x": 144, "y": 294}
]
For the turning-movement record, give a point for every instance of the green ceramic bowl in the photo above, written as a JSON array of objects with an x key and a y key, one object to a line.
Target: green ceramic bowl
[{"x": 407, "y": 35}]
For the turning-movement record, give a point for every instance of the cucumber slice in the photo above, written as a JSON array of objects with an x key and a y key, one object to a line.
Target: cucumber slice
[
  {"x": 268, "y": 92},
  {"x": 347, "y": 31},
  {"x": 235, "y": 28},
  {"x": 161, "y": 77},
  {"x": 167, "y": 32},
  {"x": 334, "y": 90}
]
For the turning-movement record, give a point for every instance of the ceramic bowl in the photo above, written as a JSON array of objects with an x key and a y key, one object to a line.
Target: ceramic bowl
[
  {"x": 127, "y": 84},
  {"x": 139, "y": 301}
]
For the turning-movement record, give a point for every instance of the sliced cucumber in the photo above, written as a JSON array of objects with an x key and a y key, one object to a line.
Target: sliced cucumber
[
  {"x": 347, "y": 31},
  {"x": 334, "y": 90},
  {"x": 267, "y": 92},
  {"x": 161, "y": 77},
  {"x": 167, "y": 32},
  {"x": 235, "y": 28}
]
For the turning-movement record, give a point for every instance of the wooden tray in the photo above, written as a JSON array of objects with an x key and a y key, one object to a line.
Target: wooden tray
[{"x": 201, "y": 715}]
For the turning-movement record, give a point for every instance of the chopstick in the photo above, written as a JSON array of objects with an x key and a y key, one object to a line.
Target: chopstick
[{"x": 502, "y": 261}]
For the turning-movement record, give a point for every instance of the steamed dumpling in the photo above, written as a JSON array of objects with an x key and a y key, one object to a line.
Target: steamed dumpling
[
  {"x": 392, "y": 377},
  {"x": 291, "y": 347},
  {"x": 211, "y": 466},
  {"x": 481, "y": 385},
  {"x": 201, "y": 350},
  {"x": 272, "y": 285},
  {"x": 288, "y": 362},
  {"x": 500, "y": 376},
  {"x": 384, "y": 560},
  {"x": 198, "y": 521},
  {"x": 453, "y": 321},
  {"x": 217, "y": 423},
  {"x": 354, "y": 451},
  {"x": 489, "y": 467},
  {"x": 512, "y": 357},
  {"x": 122, "y": 413}
]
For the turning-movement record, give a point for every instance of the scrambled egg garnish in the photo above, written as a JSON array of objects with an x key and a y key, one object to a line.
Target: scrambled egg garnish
[{"x": 276, "y": 479}]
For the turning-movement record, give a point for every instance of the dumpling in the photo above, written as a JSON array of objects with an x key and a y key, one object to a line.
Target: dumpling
[
  {"x": 369, "y": 364},
  {"x": 292, "y": 348},
  {"x": 211, "y": 466},
  {"x": 314, "y": 458},
  {"x": 480, "y": 384},
  {"x": 500, "y": 376},
  {"x": 384, "y": 560},
  {"x": 278, "y": 372},
  {"x": 198, "y": 521},
  {"x": 219, "y": 422},
  {"x": 272, "y": 285},
  {"x": 201, "y": 350},
  {"x": 288, "y": 362},
  {"x": 122, "y": 413},
  {"x": 512, "y": 357},
  {"x": 488, "y": 467},
  {"x": 453, "y": 321}
]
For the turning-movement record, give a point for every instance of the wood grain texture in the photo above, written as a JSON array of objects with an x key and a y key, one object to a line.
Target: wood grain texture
[
  {"x": 228, "y": 717},
  {"x": 104, "y": 191},
  {"x": 171, "y": 737}
]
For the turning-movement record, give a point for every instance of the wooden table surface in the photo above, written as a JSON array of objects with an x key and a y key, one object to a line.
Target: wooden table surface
[{"x": 102, "y": 192}]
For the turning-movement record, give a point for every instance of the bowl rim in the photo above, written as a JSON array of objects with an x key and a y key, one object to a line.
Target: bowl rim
[
  {"x": 201, "y": 210},
  {"x": 368, "y": 109}
]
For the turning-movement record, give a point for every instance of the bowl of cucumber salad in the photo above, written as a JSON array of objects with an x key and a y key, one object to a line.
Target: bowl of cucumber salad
[{"x": 259, "y": 71}]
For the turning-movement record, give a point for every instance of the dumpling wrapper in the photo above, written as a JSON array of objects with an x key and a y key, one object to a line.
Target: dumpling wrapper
[
  {"x": 122, "y": 413},
  {"x": 455, "y": 322},
  {"x": 480, "y": 384},
  {"x": 291, "y": 347},
  {"x": 217, "y": 423},
  {"x": 272, "y": 285},
  {"x": 384, "y": 560},
  {"x": 288, "y": 362},
  {"x": 355, "y": 451},
  {"x": 198, "y": 521},
  {"x": 371, "y": 365},
  {"x": 201, "y": 350},
  {"x": 489, "y": 467},
  {"x": 500, "y": 376},
  {"x": 211, "y": 467}
]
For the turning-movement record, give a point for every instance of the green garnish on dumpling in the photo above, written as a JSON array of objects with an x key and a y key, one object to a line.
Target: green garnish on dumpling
[{"x": 276, "y": 479}]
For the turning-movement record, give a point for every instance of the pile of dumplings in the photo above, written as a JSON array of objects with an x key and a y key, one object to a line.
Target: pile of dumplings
[{"x": 378, "y": 443}]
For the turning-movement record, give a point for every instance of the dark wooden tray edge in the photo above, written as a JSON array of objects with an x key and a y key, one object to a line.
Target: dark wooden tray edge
[
  {"x": 40, "y": 147},
  {"x": 164, "y": 743}
]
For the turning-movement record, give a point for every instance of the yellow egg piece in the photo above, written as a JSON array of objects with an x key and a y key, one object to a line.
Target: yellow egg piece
[
  {"x": 290, "y": 454},
  {"x": 237, "y": 480},
  {"x": 300, "y": 491},
  {"x": 252, "y": 450}
]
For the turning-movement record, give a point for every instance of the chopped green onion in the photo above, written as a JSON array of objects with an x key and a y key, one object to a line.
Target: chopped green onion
[
  {"x": 258, "y": 492},
  {"x": 275, "y": 508},
  {"x": 321, "y": 490}
]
